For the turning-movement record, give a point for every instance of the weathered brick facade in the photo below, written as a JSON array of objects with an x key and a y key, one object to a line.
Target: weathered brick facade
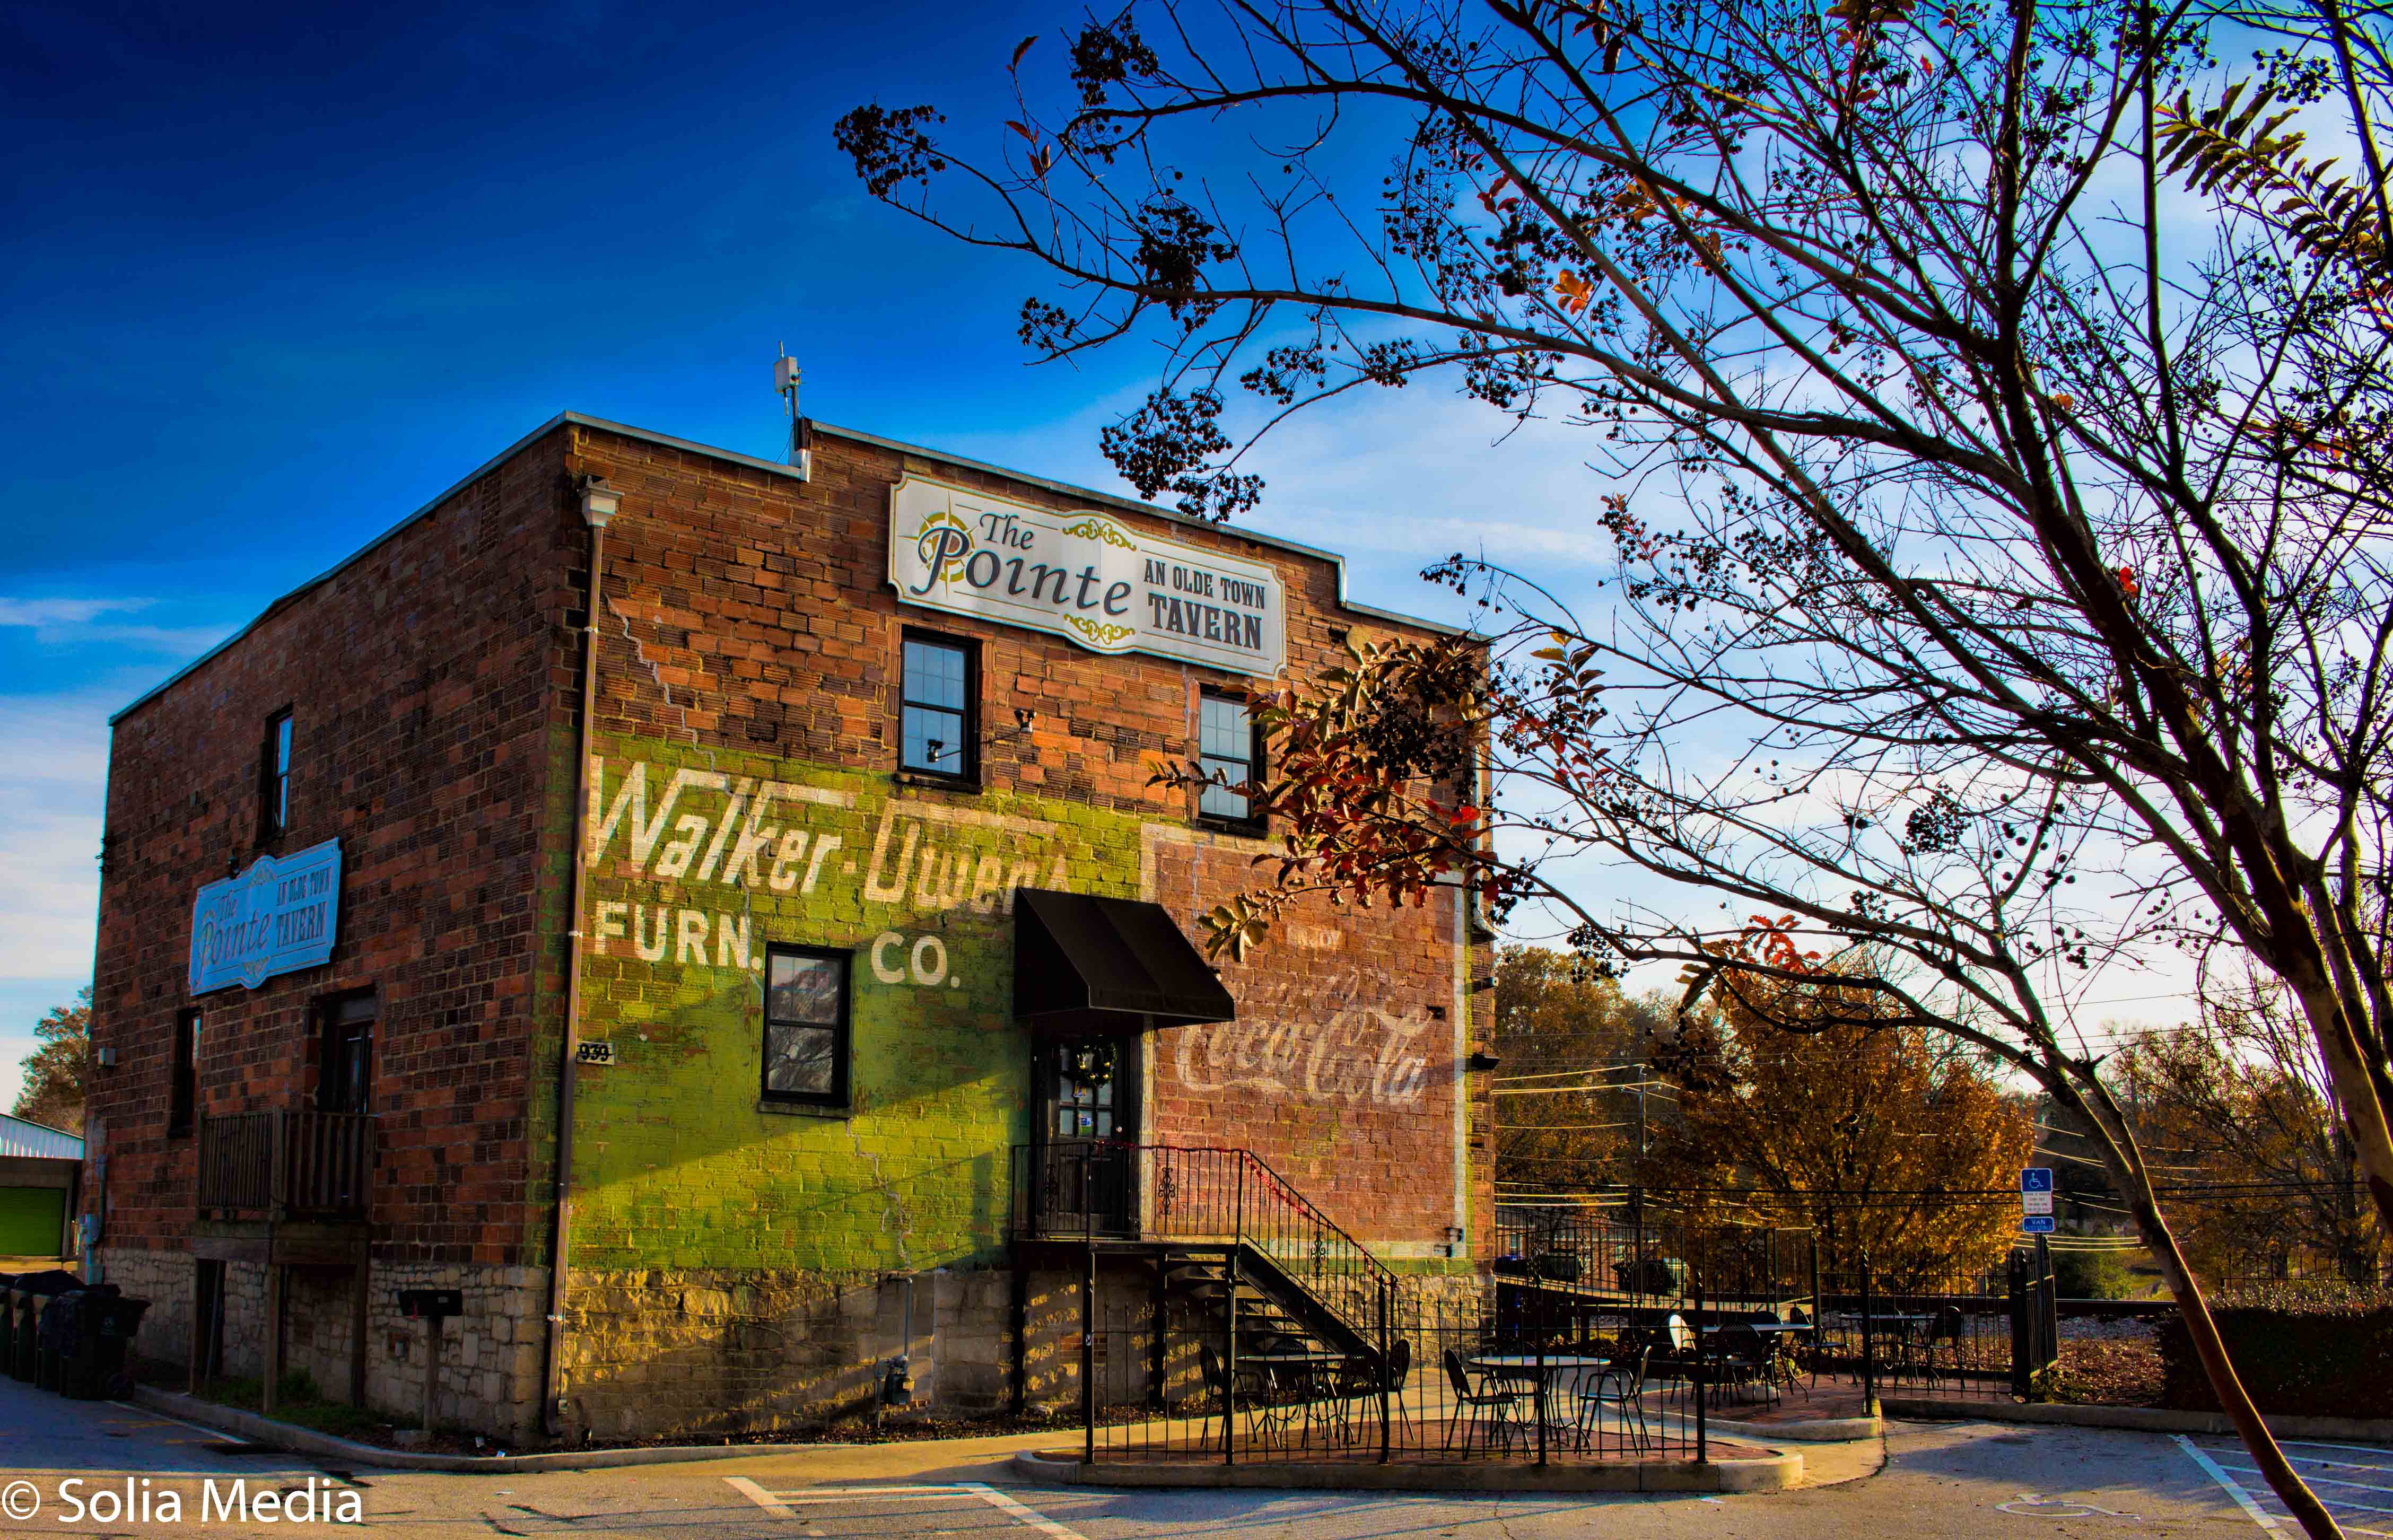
[{"x": 728, "y": 1254}]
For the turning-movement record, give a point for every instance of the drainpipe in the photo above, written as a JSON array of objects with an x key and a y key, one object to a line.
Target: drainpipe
[{"x": 599, "y": 503}]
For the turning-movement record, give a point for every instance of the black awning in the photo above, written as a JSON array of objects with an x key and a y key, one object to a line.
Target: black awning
[{"x": 1084, "y": 966}]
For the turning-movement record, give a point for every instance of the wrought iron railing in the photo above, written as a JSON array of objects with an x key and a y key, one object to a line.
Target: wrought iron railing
[
  {"x": 1198, "y": 1194},
  {"x": 287, "y": 1164}
]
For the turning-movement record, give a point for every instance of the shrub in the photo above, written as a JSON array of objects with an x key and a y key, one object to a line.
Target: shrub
[
  {"x": 2091, "y": 1275},
  {"x": 2300, "y": 1351}
]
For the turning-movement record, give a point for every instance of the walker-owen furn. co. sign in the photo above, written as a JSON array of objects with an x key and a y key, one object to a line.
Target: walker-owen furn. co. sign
[{"x": 1083, "y": 576}]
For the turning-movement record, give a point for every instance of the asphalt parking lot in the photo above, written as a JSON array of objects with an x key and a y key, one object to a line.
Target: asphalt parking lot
[{"x": 1921, "y": 1482}]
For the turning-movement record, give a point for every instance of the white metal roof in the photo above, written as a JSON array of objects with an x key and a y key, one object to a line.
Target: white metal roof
[{"x": 20, "y": 1137}]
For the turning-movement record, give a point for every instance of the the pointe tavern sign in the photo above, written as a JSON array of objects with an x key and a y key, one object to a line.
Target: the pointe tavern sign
[{"x": 1083, "y": 576}]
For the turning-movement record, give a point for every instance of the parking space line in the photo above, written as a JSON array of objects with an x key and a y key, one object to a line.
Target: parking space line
[
  {"x": 1022, "y": 1511},
  {"x": 2331, "y": 1481},
  {"x": 2233, "y": 1488},
  {"x": 758, "y": 1496},
  {"x": 778, "y": 1504}
]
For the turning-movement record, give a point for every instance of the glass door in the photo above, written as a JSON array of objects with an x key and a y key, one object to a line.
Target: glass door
[{"x": 1087, "y": 1136}]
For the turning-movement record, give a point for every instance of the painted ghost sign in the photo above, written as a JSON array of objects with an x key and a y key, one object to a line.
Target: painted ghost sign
[
  {"x": 699, "y": 849},
  {"x": 1359, "y": 1054},
  {"x": 277, "y": 916},
  {"x": 1083, "y": 576}
]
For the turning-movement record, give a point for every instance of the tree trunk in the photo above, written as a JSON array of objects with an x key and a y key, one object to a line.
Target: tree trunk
[
  {"x": 2354, "y": 1081},
  {"x": 2224, "y": 1382}
]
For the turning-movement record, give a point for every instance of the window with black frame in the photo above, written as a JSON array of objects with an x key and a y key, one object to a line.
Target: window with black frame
[
  {"x": 806, "y": 1027},
  {"x": 274, "y": 778},
  {"x": 1229, "y": 754},
  {"x": 936, "y": 732},
  {"x": 183, "y": 1093},
  {"x": 345, "y": 1026}
]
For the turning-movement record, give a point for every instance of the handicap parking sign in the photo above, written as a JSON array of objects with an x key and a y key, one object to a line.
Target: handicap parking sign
[
  {"x": 2037, "y": 1224},
  {"x": 2035, "y": 1179}
]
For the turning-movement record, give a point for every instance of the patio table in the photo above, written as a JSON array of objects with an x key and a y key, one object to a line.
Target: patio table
[
  {"x": 1546, "y": 1372},
  {"x": 1298, "y": 1379}
]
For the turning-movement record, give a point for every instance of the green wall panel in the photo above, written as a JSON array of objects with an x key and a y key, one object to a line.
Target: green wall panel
[{"x": 702, "y": 859}]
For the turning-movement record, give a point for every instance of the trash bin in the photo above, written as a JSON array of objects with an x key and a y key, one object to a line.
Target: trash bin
[
  {"x": 91, "y": 1362},
  {"x": 58, "y": 1332},
  {"x": 26, "y": 1298}
]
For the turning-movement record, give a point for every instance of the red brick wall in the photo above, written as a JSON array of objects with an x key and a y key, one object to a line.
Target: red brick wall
[
  {"x": 419, "y": 682},
  {"x": 1341, "y": 1070},
  {"x": 433, "y": 683},
  {"x": 748, "y": 612}
]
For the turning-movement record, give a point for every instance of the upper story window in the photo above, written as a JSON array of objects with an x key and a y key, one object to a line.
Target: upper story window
[
  {"x": 937, "y": 701},
  {"x": 1231, "y": 755},
  {"x": 345, "y": 1028},
  {"x": 182, "y": 1093},
  {"x": 805, "y": 1025},
  {"x": 274, "y": 778}
]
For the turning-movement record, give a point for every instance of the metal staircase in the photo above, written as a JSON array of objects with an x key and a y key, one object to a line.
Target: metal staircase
[{"x": 1229, "y": 1237}]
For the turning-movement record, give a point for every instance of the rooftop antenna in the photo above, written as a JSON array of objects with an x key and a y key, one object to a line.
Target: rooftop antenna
[{"x": 786, "y": 377}]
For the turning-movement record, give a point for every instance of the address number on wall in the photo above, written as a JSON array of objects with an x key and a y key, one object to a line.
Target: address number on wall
[{"x": 594, "y": 1053}]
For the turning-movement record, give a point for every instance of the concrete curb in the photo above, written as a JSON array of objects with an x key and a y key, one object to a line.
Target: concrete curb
[
  {"x": 2142, "y": 1419},
  {"x": 1778, "y": 1471},
  {"x": 303, "y": 1441},
  {"x": 1813, "y": 1431}
]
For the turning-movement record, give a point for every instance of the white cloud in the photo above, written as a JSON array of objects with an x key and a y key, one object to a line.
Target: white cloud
[
  {"x": 61, "y": 612},
  {"x": 54, "y": 759},
  {"x": 77, "y": 622}
]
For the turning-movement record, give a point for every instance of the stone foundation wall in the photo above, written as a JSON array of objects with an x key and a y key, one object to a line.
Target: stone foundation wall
[
  {"x": 165, "y": 1279},
  {"x": 490, "y": 1357},
  {"x": 668, "y": 1354}
]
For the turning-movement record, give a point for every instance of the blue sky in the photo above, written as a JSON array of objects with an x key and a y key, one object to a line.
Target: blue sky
[{"x": 268, "y": 281}]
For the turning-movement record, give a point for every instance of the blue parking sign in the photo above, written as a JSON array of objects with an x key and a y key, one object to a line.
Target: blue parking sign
[
  {"x": 2035, "y": 1179},
  {"x": 2037, "y": 1224}
]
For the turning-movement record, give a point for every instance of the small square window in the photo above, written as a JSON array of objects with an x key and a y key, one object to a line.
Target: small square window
[
  {"x": 805, "y": 1025},
  {"x": 939, "y": 731},
  {"x": 1230, "y": 754}
]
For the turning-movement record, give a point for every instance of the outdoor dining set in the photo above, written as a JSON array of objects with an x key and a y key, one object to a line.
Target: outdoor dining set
[{"x": 1493, "y": 1395}]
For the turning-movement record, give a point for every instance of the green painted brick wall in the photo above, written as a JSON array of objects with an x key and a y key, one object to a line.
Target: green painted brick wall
[{"x": 701, "y": 858}]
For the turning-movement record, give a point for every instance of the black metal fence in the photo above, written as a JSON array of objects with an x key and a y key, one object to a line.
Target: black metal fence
[
  {"x": 1266, "y": 1333},
  {"x": 1439, "y": 1384}
]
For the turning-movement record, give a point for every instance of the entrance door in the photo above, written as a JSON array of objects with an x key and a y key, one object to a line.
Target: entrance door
[{"x": 1087, "y": 1136}]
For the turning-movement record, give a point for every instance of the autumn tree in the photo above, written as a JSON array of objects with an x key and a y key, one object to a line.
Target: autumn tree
[
  {"x": 1848, "y": 1131},
  {"x": 52, "y": 1091},
  {"x": 2235, "y": 1103},
  {"x": 1570, "y": 1048},
  {"x": 1989, "y": 414}
]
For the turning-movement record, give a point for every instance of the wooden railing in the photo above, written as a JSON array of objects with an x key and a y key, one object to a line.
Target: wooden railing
[{"x": 287, "y": 1165}]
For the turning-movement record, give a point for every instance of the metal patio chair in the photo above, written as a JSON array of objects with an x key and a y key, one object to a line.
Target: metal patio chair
[
  {"x": 1620, "y": 1385},
  {"x": 1254, "y": 1394},
  {"x": 1490, "y": 1406}
]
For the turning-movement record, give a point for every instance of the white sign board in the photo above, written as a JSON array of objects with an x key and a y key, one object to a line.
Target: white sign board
[
  {"x": 2035, "y": 1203},
  {"x": 1084, "y": 575},
  {"x": 277, "y": 916}
]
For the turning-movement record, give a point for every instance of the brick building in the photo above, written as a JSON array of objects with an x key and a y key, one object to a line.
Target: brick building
[{"x": 860, "y": 993}]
